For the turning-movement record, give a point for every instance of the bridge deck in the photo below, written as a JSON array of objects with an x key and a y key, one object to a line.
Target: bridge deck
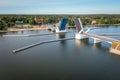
[
  {"x": 101, "y": 37},
  {"x": 109, "y": 34},
  {"x": 115, "y": 48}
]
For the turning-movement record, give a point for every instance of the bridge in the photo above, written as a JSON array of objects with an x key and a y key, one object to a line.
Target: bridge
[
  {"x": 81, "y": 34},
  {"x": 98, "y": 38}
]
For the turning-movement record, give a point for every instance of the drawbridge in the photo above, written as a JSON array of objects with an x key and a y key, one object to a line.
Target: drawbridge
[{"x": 81, "y": 34}]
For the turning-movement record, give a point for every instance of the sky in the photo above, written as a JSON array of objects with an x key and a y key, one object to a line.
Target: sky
[{"x": 60, "y": 7}]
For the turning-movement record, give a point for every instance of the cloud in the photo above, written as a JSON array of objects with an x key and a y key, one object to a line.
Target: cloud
[
  {"x": 37, "y": 2},
  {"x": 58, "y": 6},
  {"x": 27, "y": 2}
]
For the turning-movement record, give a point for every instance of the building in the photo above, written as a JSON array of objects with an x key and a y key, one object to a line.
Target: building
[
  {"x": 94, "y": 22},
  {"x": 19, "y": 22},
  {"x": 39, "y": 20}
]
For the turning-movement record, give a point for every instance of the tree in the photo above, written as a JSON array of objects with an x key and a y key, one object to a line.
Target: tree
[
  {"x": 70, "y": 23},
  {"x": 31, "y": 21},
  {"x": 3, "y": 25},
  {"x": 101, "y": 21}
]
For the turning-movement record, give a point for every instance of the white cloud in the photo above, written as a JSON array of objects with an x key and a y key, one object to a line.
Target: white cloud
[
  {"x": 37, "y": 2},
  {"x": 55, "y": 7}
]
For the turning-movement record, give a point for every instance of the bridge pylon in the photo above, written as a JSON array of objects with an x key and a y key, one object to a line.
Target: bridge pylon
[
  {"x": 62, "y": 27},
  {"x": 79, "y": 29}
]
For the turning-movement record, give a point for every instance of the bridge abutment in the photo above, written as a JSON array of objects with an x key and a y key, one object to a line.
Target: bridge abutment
[{"x": 115, "y": 48}]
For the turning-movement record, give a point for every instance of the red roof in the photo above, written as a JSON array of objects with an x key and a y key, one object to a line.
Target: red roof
[
  {"x": 94, "y": 22},
  {"x": 39, "y": 20}
]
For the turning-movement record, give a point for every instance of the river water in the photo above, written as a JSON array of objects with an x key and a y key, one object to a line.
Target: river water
[{"x": 62, "y": 60}]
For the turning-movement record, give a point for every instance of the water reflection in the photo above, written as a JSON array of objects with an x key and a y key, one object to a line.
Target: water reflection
[
  {"x": 62, "y": 43},
  {"x": 79, "y": 43},
  {"x": 58, "y": 60},
  {"x": 97, "y": 45},
  {"x": 60, "y": 36}
]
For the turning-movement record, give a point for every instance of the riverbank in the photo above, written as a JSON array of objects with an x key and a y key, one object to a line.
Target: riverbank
[
  {"x": 44, "y": 27},
  {"x": 99, "y": 25},
  {"x": 24, "y": 29}
]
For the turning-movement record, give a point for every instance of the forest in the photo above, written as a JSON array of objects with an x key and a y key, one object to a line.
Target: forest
[{"x": 10, "y": 21}]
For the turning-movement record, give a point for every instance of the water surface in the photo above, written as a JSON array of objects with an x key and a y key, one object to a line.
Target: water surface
[{"x": 63, "y": 60}]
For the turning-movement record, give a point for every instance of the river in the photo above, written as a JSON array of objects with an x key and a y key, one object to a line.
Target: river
[{"x": 62, "y": 60}]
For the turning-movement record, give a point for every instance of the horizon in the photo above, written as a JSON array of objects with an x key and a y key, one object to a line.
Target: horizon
[
  {"x": 50, "y": 7},
  {"x": 60, "y": 14}
]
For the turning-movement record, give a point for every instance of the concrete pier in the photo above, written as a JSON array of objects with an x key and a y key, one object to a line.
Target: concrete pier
[
  {"x": 41, "y": 42},
  {"x": 31, "y": 35}
]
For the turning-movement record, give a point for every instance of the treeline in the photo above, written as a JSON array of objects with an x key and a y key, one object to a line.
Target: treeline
[
  {"x": 101, "y": 19},
  {"x": 8, "y": 21}
]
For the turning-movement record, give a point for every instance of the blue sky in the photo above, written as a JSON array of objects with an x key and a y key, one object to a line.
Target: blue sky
[{"x": 60, "y": 7}]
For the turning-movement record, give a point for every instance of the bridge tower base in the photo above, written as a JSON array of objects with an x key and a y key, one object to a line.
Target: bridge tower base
[
  {"x": 80, "y": 36},
  {"x": 60, "y": 31}
]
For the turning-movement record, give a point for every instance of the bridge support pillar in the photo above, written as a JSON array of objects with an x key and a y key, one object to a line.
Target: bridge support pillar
[
  {"x": 80, "y": 36},
  {"x": 97, "y": 40},
  {"x": 60, "y": 31}
]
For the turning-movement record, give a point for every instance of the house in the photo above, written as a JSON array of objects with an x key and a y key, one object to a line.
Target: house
[
  {"x": 19, "y": 22},
  {"x": 39, "y": 20},
  {"x": 94, "y": 22}
]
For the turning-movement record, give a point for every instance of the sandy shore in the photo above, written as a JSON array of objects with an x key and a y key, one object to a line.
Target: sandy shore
[{"x": 23, "y": 29}]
